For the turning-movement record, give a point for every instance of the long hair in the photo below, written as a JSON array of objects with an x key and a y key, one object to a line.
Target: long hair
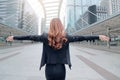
[{"x": 56, "y": 34}]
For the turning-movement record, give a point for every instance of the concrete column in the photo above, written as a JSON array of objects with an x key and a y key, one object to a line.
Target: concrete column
[
  {"x": 92, "y": 41},
  {"x": 108, "y": 34},
  {"x": 10, "y": 33},
  {"x": 0, "y": 32},
  {"x": 92, "y": 33},
  {"x": 74, "y": 12}
]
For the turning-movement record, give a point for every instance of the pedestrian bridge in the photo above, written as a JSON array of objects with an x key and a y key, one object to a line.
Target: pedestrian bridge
[{"x": 22, "y": 62}]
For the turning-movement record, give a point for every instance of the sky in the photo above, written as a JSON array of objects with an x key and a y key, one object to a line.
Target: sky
[
  {"x": 37, "y": 7},
  {"x": 38, "y": 10}
]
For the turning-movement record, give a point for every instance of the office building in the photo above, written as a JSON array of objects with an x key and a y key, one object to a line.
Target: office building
[
  {"x": 94, "y": 14},
  {"x": 76, "y": 9},
  {"x": 10, "y": 12},
  {"x": 113, "y": 6},
  {"x": 30, "y": 20}
]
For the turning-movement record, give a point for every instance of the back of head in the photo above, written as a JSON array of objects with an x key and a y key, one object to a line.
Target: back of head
[{"x": 56, "y": 34}]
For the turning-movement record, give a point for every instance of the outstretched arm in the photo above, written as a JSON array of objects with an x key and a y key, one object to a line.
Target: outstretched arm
[
  {"x": 87, "y": 38},
  {"x": 30, "y": 37}
]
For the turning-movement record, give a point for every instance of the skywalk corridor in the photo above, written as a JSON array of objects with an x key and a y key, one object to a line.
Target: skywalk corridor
[{"x": 95, "y": 61}]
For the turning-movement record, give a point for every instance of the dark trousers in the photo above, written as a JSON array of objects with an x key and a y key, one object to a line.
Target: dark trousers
[{"x": 55, "y": 72}]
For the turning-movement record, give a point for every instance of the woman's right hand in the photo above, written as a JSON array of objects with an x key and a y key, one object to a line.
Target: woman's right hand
[
  {"x": 9, "y": 38},
  {"x": 104, "y": 38}
]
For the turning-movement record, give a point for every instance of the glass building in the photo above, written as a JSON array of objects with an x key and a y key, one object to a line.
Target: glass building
[
  {"x": 3, "y": 10},
  {"x": 92, "y": 15},
  {"x": 29, "y": 19},
  {"x": 18, "y": 14},
  {"x": 10, "y": 12},
  {"x": 113, "y": 6},
  {"x": 75, "y": 9}
]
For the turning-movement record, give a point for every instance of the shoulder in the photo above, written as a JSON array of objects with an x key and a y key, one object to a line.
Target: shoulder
[
  {"x": 68, "y": 35},
  {"x": 44, "y": 34}
]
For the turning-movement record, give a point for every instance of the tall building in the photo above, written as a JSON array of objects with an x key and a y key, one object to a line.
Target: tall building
[
  {"x": 94, "y": 14},
  {"x": 101, "y": 12},
  {"x": 18, "y": 14},
  {"x": 3, "y": 10},
  {"x": 113, "y": 6},
  {"x": 29, "y": 19},
  {"x": 75, "y": 9},
  {"x": 73, "y": 12},
  {"x": 10, "y": 12}
]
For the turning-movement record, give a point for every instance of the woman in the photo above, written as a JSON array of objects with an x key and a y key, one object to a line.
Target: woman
[{"x": 56, "y": 48}]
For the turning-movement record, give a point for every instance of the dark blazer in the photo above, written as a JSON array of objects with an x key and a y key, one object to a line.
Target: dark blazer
[{"x": 52, "y": 56}]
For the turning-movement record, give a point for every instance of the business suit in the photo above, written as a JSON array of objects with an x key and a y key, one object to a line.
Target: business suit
[{"x": 55, "y": 59}]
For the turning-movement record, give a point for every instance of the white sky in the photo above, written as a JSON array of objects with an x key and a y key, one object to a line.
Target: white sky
[
  {"x": 38, "y": 10},
  {"x": 37, "y": 7}
]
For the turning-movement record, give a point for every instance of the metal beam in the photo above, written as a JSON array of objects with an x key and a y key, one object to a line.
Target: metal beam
[
  {"x": 50, "y": 2},
  {"x": 43, "y": 8},
  {"x": 60, "y": 5}
]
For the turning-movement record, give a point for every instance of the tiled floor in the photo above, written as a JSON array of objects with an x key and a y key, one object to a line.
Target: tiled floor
[{"x": 87, "y": 64}]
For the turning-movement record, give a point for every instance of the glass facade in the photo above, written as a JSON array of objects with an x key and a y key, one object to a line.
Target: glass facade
[
  {"x": 10, "y": 12},
  {"x": 17, "y": 14},
  {"x": 3, "y": 10},
  {"x": 113, "y": 6},
  {"x": 75, "y": 10},
  {"x": 30, "y": 20}
]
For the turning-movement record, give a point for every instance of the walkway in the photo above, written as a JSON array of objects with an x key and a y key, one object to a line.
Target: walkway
[{"x": 22, "y": 63}]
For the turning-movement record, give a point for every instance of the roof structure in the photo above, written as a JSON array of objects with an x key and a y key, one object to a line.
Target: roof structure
[
  {"x": 51, "y": 9},
  {"x": 7, "y": 30}
]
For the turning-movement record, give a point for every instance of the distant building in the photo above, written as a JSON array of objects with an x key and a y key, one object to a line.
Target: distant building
[
  {"x": 29, "y": 20},
  {"x": 94, "y": 14},
  {"x": 10, "y": 11},
  {"x": 18, "y": 14},
  {"x": 74, "y": 10},
  {"x": 101, "y": 12},
  {"x": 82, "y": 21},
  {"x": 113, "y": 6}
]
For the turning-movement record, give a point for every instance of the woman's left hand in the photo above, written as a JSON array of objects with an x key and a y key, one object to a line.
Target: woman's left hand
[{"x": 104, "y": 38}]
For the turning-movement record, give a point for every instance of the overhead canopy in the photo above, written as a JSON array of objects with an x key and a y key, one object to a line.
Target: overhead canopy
[
  {"x": 51, "y": 9},
  {"x": 6, "y": 30}
]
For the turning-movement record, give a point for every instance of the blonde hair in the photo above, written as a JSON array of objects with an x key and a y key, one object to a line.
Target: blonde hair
[{"x": 56, "y": 34}]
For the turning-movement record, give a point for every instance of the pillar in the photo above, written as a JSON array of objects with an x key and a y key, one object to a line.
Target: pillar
[{"x": 108, "y": 34}]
